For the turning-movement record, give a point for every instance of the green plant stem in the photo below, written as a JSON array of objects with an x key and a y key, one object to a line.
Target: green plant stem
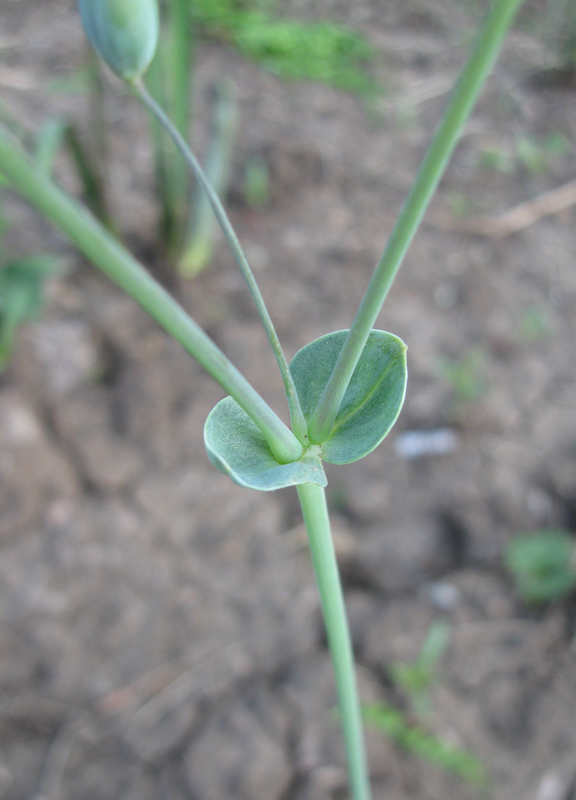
[
  {"x": 178, "y": 59},
  {"x": 109, "y": 256},
  {"x": 296, "y": 416},
  {"x": 92, "y": 162},
  {"x": 165, "y": 153},
  {"x": 464, "y": 96},
  {"x": 90, "y": 174},
  {"x": 315, "y": 512},
  {"x": 202, "y": 226}
]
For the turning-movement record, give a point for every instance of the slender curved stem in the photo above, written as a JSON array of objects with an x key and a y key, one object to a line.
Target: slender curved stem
[
  {"x": 296, "y": 416},
  {"x": 315, "y": 512},
  {"x": 110, "y": 257},
  {"x": 497, "y": 22}
]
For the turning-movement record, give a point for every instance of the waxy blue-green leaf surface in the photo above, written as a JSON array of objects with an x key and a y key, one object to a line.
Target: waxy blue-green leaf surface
[
  {"x": 372, "y": 401},
  {"x": 237, "y": 447}
]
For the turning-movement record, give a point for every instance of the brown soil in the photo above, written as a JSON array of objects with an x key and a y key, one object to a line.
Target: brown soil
[{"x": 160, "y": 632}]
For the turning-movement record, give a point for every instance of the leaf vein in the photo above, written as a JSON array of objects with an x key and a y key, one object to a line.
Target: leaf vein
[{"x": 339, "y": 423}]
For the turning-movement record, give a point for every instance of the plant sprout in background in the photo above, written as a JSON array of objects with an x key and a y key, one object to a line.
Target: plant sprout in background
[
  {"x": 22, "y": 295},
  {"x": 466, "y": 377},
  {"x": 23, "y": 278},
  {"x": 534, "y": 155},
  {"x": 542, "y": 564},
  {"x": 416, "y": 678},
  {"x": 294, "y": 50},
  {"x": 256, "y": 182},
  {"x": 414, "y": 739},
  {"x": 344, "y": 390}
]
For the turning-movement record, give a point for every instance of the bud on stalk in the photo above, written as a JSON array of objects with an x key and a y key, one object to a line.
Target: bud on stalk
[{"x": 123, "y": 32}]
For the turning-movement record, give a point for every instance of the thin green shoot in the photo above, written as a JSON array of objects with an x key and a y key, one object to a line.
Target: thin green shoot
[
  {"x": 535, "y": 155},
  {"x": 466, "y": 376},
  {"x": 256, "y": 183},
  {"x": 416, "y": 678},
  {"x": 538, "y": 154},
  {"x": 200, "y": 235},
  {"x": 171, "y": 81},
  {"x": 487, "y": 45},
  {"x": 415, "y": 740},
  {"x": 112, "y": 259},
  {"x": 496, "y": 158},
  {"x": 22, "y": 283},
  {"x": 54, "y": 136},
  {"x": 48, "y": 143},
  {"x": 296, "y": 416},
  {"x": 91, "y": 179}
]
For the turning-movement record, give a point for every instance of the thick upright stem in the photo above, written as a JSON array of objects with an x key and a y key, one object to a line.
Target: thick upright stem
[
  {"x": 110, "y": 257},
  {"x": 315, "y": 512},
  {"x": 498, "y": 20}
]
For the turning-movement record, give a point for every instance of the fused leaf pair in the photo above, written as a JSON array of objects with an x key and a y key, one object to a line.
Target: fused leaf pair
[{"x": 369, "y": 408}]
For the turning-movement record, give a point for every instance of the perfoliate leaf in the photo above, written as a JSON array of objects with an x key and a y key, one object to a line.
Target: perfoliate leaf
[
  {"x": 370, "y": 407},
  {"x": 237, "y": 447},
  {"x": 372, "y": 401}
]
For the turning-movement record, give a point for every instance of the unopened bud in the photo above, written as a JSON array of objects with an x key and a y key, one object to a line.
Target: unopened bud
[{"x": 123, "y": 32}]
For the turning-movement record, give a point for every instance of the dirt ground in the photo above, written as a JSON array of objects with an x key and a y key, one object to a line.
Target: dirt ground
[{"x": 160, "y": 634}]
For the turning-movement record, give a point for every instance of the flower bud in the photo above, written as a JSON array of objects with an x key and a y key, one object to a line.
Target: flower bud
[{"x": 123, "y": 32}]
